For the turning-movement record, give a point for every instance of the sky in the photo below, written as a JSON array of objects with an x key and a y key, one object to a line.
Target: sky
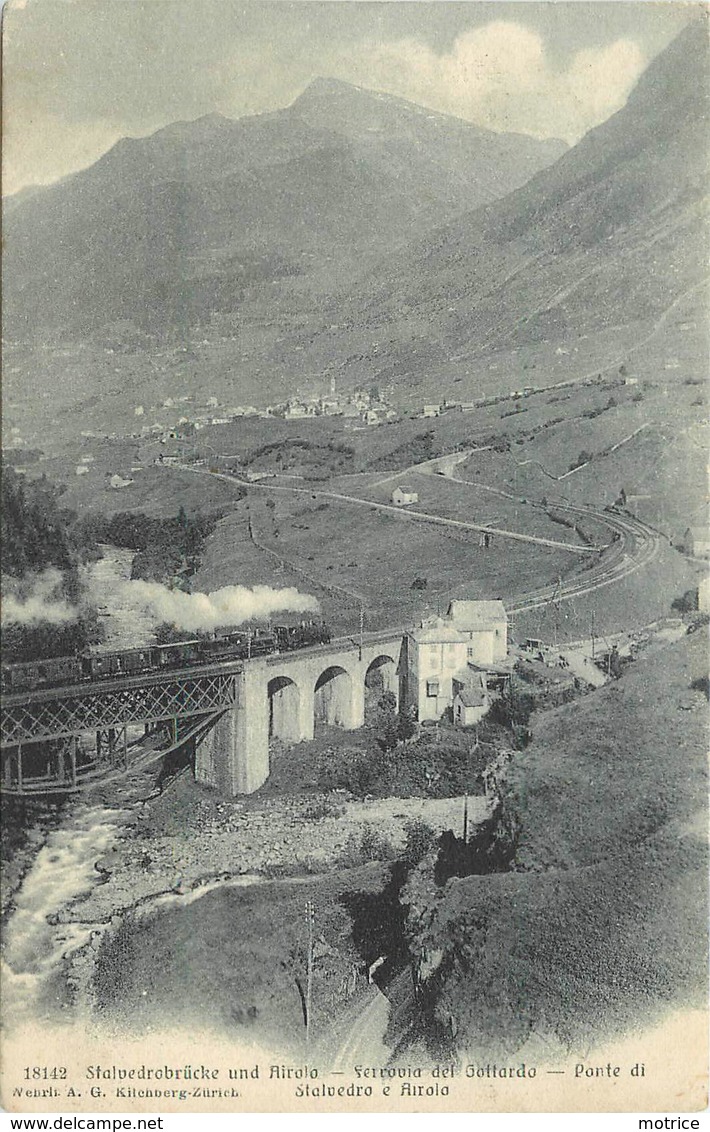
[{"x": 80, "y": 74}]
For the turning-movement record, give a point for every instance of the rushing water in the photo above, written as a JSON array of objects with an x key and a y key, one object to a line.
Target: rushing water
[
  {"x": 35, "y": 947},
  {"x": 125, "y": 625}
]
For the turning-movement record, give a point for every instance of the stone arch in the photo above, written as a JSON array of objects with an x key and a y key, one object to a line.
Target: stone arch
[
  {"x": 284, "y": 709},
  {"x": 333, "y": 699},
  {"x": 380, "y": 677}
]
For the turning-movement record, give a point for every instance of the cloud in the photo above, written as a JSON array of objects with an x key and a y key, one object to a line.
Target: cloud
[{"x": 499, "y": 75}]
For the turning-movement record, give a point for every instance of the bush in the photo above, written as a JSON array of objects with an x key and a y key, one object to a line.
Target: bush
[
  {"x": 359, "y": 772},
  {"x": 686, "y": 603},
  {"x": 583, "y": 458},
  {"x": 421, "y": 838},
  {"x": 371, "y": 845},
  {"x": 512, "y": 711},
  {"x": 21, "y": 643},
  {"x": 391, "y": 727}
]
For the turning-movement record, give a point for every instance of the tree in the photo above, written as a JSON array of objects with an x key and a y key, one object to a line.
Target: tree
[
  {"x": 583, "y": 458},
  {"x": 686, "y": 603}
]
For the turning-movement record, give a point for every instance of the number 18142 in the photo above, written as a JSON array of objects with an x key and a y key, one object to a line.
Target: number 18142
[{"x": 45, "y": 1073}]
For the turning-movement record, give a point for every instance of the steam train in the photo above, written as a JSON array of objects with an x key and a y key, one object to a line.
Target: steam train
[{"x": 155, "y": 658}]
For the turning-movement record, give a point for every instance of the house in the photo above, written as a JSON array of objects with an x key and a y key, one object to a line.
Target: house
[
  {"x": 470, "y": 703},
  {"x": 403, "y": 496},
  {"x": 431, "y": 411},
  {"x": 436, "y": 655},
  {"x": 484, "y": 625},
  {"x": 704, "y": 594},
  {"x": 697, "y": 542}
]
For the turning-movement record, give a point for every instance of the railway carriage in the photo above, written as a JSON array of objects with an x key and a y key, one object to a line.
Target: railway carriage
[
  {"x": 41, "y": 673},
  {"x": 240, "y": 645},
  {"x": 129, "y": 662}
]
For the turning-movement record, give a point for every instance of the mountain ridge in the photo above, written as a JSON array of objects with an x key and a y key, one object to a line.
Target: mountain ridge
[
  {"x": 573, "y": 248},
  {"x": 305, "y": 187}
]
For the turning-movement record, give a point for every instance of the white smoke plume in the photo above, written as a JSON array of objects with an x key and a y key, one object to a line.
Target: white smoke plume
[
  {"x": 38, "y": 602},
  {"x": 231, "y": 605}
]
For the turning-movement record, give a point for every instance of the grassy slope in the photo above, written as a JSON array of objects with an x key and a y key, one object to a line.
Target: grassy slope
[
  {"x": 607, "y": 927},
  {"x": 377, "y": 555},
  {"x": 245, "y": 949}
]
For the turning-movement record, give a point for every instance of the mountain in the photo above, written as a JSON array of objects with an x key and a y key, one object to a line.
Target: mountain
[
  {"x": 611, "y": 234},
  {"x": 164, "y": 232}
]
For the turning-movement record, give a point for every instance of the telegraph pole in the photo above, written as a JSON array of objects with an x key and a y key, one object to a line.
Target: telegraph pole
[
  {"x": 362, "y": 629},
  {"x": 310, "y": 916}
]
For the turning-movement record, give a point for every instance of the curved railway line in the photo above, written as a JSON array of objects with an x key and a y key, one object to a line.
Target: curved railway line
[{"x": 636, "y": 547}]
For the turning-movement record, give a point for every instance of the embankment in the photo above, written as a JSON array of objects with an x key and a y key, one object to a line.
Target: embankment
[{"x": 601, "y": 927}]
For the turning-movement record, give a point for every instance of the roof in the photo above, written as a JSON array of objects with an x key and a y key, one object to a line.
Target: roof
[
  {"x": 476, "y": 614},
  {"x": 471, "y": 697},
  {"x": 406, "y": 489},
  {"x": 502, "y": 668},
  {"x": 437, "y": 632},
  {"x": 700, "y": 534}
]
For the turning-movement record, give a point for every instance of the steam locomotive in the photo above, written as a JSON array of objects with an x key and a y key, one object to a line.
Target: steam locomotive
[{"x": 155, "y": 658}]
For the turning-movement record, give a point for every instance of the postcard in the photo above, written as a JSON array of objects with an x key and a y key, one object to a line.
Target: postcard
[{"x": 355, "y": 557}]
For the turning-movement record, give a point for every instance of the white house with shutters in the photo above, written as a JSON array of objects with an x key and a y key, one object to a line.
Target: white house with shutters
[{"x": 451, "y": 661}]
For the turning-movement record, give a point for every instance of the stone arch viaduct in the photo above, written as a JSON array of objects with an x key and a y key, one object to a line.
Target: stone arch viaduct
[{"x": 283, "y": 695}]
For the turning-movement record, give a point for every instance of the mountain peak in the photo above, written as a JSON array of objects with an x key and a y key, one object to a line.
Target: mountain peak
[
  {"x": 327, "y": 95},
  {"x": 325, "y": 86}
]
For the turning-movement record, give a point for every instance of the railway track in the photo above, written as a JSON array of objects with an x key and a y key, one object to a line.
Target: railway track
[{"x": 636, "y": 547}]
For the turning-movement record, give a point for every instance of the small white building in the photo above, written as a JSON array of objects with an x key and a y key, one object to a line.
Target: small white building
[
  {"x": 484, "y": 625},
  {"x": 431, "y": 411},
  {"x": 470, "y": 703},
  {"x": 704, "y": 594},
  {"x": 296, "y": 410},
  {"x": 697, "y": 542},
  {"x": 404, "y": 496}
]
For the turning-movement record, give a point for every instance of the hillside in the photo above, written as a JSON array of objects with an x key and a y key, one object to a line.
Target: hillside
[
  {"x": 603, "y": 927},
  {"x": 610, "y": 235},
  {"x": 168, "y": 232}
]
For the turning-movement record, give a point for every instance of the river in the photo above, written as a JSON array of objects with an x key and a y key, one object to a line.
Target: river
[
  {"x": 36, "y": 943},
  {"x": 125, "y": 625}
]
